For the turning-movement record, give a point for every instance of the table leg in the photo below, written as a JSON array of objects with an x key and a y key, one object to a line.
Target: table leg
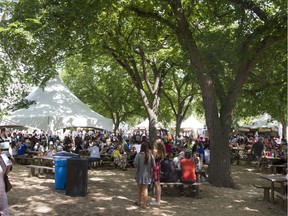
[
  {"x": 272, "y": 192},
  {"x": 282, "y": 188}
]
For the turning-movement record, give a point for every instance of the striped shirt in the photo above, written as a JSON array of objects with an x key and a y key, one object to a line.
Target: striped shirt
[{"x": 4, "y": 145}]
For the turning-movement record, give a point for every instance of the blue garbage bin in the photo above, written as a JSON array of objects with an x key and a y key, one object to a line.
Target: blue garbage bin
[
  {"x": 60, "y": 173},
  {"x": 60, "y": 162}
]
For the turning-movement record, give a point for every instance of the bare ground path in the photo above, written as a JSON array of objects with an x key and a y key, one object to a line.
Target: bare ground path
[{"x": 112, "y": 192}]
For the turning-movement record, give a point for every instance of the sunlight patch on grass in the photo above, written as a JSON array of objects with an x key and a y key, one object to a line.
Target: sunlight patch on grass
[
  {"x": 96, "y": 179},
  {"x": 105, "y": 198},
  {"x": 239, "y": 201},
  {"x": 121, "y": 197},
  {"x": 131, "y": 208},
  {"x": 252, "y": 210},
  {"x": 42, "y": 208},
  {"x": 100, "y": 209}
]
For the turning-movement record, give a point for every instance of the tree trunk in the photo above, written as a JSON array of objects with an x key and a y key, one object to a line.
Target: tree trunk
[
  {"x": 178, "y": 125},
  {"x": 218, "y": 127},
  {"x": 284, "y": 129},
  {"x": 116, "y": 121},
  {"x": 220, "y": 166},
  {"x": 152, "y": 131}
]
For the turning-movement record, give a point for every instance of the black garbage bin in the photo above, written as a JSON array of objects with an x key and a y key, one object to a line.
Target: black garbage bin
[
  {"x": 77, "y": 177},
  {"x": 60, "y": 161}
]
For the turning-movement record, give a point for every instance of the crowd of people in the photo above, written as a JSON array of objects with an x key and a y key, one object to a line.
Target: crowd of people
[{"x": 169, "y": 159}]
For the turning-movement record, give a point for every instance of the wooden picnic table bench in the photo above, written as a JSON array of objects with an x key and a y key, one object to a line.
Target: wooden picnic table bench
[
  {"x": 23, "y": 159},
  {"x": 266, "y": 190},
  {"x": 196, "y": 184},
  {"x": 283, "y": 198},
  {"x": 39, "y": 168},
  {"x": 274, "y": 167}
]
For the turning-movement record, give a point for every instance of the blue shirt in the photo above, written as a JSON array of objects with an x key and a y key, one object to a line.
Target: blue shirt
[{"x": 22, "y": 149}]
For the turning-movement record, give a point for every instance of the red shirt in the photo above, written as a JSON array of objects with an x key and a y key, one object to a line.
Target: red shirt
[
  {"x": 168, "y": 148},
  {"x": 188, "y": 169}
]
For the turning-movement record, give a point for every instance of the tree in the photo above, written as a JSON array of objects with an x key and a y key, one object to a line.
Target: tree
[
  {"x": 93, "y": 28},
  {"x": 19, "y": 70},
  {"x": 224, "y": 40},
  {"x": 104, "y": 88},
  {"x": 179, "y": 90},
  {"x": 268, "y": 82}
]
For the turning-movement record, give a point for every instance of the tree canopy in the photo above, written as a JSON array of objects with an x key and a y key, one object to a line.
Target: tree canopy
[{"x": 221, "y": 44}]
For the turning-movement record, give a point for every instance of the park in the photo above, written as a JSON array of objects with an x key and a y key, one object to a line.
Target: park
[
  {"x": 112, "y": 192},
  {"x": 159, "y": 62}
]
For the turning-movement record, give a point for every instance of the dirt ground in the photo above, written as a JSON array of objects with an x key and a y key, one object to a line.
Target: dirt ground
[{"x": 112, "y": 192}]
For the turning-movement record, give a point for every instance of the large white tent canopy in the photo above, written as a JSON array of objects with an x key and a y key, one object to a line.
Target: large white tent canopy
[
  {"x": 191, "y": 123},
  {"x": 145, "y": 125},
  {"x": 56, "y": 108},
  {"x": 264, "y": 121}
]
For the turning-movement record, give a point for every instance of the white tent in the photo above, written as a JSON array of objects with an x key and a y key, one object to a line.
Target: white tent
[
  {"x": 263, "y": 122},
  {"x": 56, "y": 108},
  {"x": 145, "y": 125},
  {"x": 191, "y": 123}
]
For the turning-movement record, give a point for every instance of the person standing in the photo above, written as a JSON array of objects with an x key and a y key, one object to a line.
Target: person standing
[
  {"x": 258, "y": 149},
  {"x": 144, "y": 162},
  {"x": 4, "y": 208},
  {"x": 159, "y": 155},
  {"x": 5, "y": 144}
]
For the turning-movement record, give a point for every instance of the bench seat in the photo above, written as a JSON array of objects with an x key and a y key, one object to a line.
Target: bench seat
[
  {"x": 283, "y": 199},
  {"x": 33, "y": 168},
  {"x": 266, "y": 190},
  {"x": 196, "y": 184},
  {"x": 23, "y": 159}
]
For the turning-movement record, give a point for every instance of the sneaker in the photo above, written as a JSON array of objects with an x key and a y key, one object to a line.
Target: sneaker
[{"x": 154, "y": 203}]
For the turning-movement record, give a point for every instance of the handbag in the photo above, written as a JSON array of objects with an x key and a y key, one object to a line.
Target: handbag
[{"x": 8, "y": 185}]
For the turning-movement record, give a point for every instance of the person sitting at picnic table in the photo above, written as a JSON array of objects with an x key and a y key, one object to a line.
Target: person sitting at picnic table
[
  {"x": 119, "y": 159},
  {"x": 22, "y": 147},
  {"x": 168, "y": 171},
  {"x": 51, "y": 151},
  {"x": 188, "y": 168},
  {"x": 177, "y": 164},
  {"x": 93, "y": 149},
  {"x": 199, "y": 166}
]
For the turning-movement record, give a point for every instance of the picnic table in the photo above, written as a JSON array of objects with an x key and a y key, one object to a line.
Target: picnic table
[
  {"x": 236, "y": 154},
  {"x": 266, "y": 162},
  {"x": 281, "y": 179},
  {"x": 41, "y": 164}
]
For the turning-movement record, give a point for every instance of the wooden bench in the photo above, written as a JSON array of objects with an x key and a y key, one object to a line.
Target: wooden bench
[
  {"x": 106, "y": 162},
  {"x": 266, "y": 190},
  {"x": 283, "y": 200},
  {"x": 23, "y": 159},
  {"x": 33, "y": 169},
  {"x": 170, "y": 184},
  {"x": 274, "y": 167}
]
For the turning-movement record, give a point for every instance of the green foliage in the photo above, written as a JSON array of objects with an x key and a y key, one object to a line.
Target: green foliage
[
  {"x": 266, "y": 88},
  {"x": 106, "y": 89}
]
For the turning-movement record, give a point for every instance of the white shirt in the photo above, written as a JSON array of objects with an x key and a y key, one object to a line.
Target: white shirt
[
  {"x": 94, "y": 151},
  {"x": 176, "y": 162}
]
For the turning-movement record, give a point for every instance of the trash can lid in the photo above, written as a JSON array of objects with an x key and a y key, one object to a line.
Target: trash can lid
[{"x": 65, "y": 154}]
